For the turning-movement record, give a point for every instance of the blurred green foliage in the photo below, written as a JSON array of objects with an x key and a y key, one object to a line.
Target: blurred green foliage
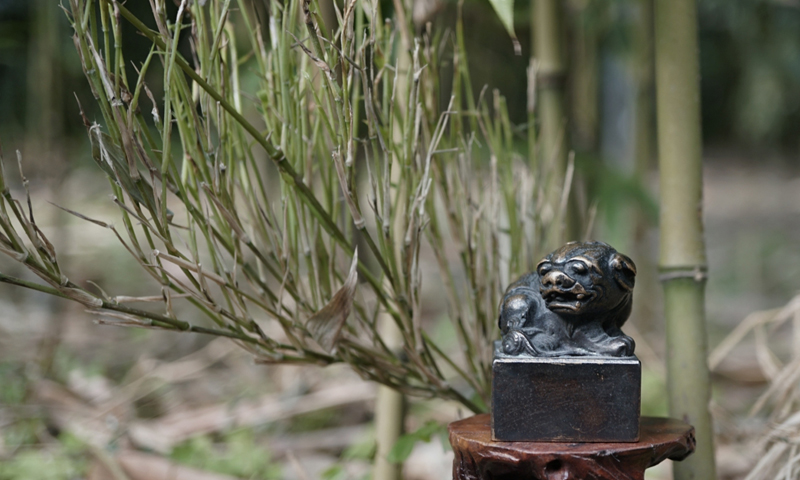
[
  {"x": 750, "y": 62},
  {"x": 14, "y": 384},
  {"x": 22, "y": 430},
  {"x": 654, "y": 394},
  {"x": 405, "y": 444},
  {"x": 360, "y": 450},
  {"x": 236, "y": 453},
  {"x": 316, "y": 420},
  {"x": 65, "y": 460},
  {"x": 750, "y": 67}
]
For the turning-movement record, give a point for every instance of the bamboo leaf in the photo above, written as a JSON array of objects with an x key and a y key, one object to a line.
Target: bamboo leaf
[
  {"x": 402, "y": 449},
  {"x": 405, "y": 445},
  {"x": 326, "y": 325},
  {"x": 505, "y": 10},
  {"x": 81, "y": 216}
]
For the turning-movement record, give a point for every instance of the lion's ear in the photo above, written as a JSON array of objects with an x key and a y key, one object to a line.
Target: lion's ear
[{"x": 624, "y": 270}]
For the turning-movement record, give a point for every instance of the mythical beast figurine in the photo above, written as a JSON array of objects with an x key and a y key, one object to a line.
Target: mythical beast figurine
[{"x": 572, "y": 305}]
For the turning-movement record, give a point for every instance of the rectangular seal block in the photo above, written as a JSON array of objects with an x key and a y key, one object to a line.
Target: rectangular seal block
[{"x": 565, "y": 399}]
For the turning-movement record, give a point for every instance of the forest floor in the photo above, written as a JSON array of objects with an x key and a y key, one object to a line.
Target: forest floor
[{"x": 80, "y": 400}]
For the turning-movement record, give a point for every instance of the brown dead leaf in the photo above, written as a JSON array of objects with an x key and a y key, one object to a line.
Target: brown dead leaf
[
  {"x": 164, "y": 433},
  {"x": 69, "y": 412},
  {"x": 99, "y": 471},
  {"x": 326, "y": 325},
  {"x": 104, "y": 466}
]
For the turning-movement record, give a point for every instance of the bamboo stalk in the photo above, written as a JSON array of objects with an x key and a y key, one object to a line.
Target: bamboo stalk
[
  {"x": 643, "y": 64},
  {"x": 44, "y": 142},
  {"x": 682, "y": 261},
  {"x": 547, "y": 30},
  {"x": 644, "y": 155},
  {"x": 389, "y": 411},
  {"x": 389, "y": 416},
  {"x": 44, "y": 114},
  {"x": 584, "y": 81}
]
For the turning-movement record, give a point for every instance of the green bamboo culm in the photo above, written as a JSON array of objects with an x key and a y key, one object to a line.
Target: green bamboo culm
[
  {"x": 682, "y": 259},
  {"x": 644, "y": 135},
  {"x": 644, "y": 144},
  {"x": 547, "y": 46},
  {"x": 584, "y": 85}
]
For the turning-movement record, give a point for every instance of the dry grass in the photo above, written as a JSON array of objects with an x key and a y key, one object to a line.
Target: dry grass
[
  {"x": 250, "y": 205},
  {"x": 774, "y": 448}
]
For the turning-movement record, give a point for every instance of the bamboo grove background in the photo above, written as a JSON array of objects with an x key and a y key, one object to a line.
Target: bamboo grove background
[{"x": 297, "y": 177}]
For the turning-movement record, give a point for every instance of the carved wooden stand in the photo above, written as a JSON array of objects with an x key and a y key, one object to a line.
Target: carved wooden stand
[{"x": 478, "y": 457}]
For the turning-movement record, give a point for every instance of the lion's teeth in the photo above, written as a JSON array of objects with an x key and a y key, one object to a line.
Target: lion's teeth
[
  {"x": 580, "y": 296},
  {"x": 577, "y": 304}
]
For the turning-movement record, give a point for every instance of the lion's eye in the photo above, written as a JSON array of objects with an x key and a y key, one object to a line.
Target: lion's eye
[
  {"x": 579, "y": 267},
  {"x": 545, "y": 269}
]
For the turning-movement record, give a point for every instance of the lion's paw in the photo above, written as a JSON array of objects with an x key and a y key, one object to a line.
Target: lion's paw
[{"x": 622, "y": 346}]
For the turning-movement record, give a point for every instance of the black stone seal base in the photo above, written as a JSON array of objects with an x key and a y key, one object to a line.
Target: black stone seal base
[{"x": 565, "y": 399}]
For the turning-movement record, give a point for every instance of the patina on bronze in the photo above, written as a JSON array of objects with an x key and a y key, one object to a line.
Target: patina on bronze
[
  {"x": 574, "y": 304},
  {"x": 564, "y": 371}
]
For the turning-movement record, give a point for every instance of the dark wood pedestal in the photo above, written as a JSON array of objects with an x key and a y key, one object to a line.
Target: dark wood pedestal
[{"x": 478, "y": 457}]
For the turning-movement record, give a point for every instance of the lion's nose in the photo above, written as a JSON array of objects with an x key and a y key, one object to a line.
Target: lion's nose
[{"x": 557, "y": 279}]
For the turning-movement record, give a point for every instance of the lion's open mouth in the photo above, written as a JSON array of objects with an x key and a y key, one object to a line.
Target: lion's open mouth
[{"x": 571, "y": 300}]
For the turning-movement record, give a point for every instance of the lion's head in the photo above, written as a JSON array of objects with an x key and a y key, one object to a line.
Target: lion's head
[{"x": 586, "y": 278}]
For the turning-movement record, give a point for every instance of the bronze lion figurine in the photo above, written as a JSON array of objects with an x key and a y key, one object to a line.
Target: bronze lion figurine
[{"x": 574, "y": 304}]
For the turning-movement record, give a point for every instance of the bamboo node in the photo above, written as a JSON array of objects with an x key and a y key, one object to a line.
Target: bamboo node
[
  {"x": 698, "y": 274},
  {"x": 555, "y": 79}
]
